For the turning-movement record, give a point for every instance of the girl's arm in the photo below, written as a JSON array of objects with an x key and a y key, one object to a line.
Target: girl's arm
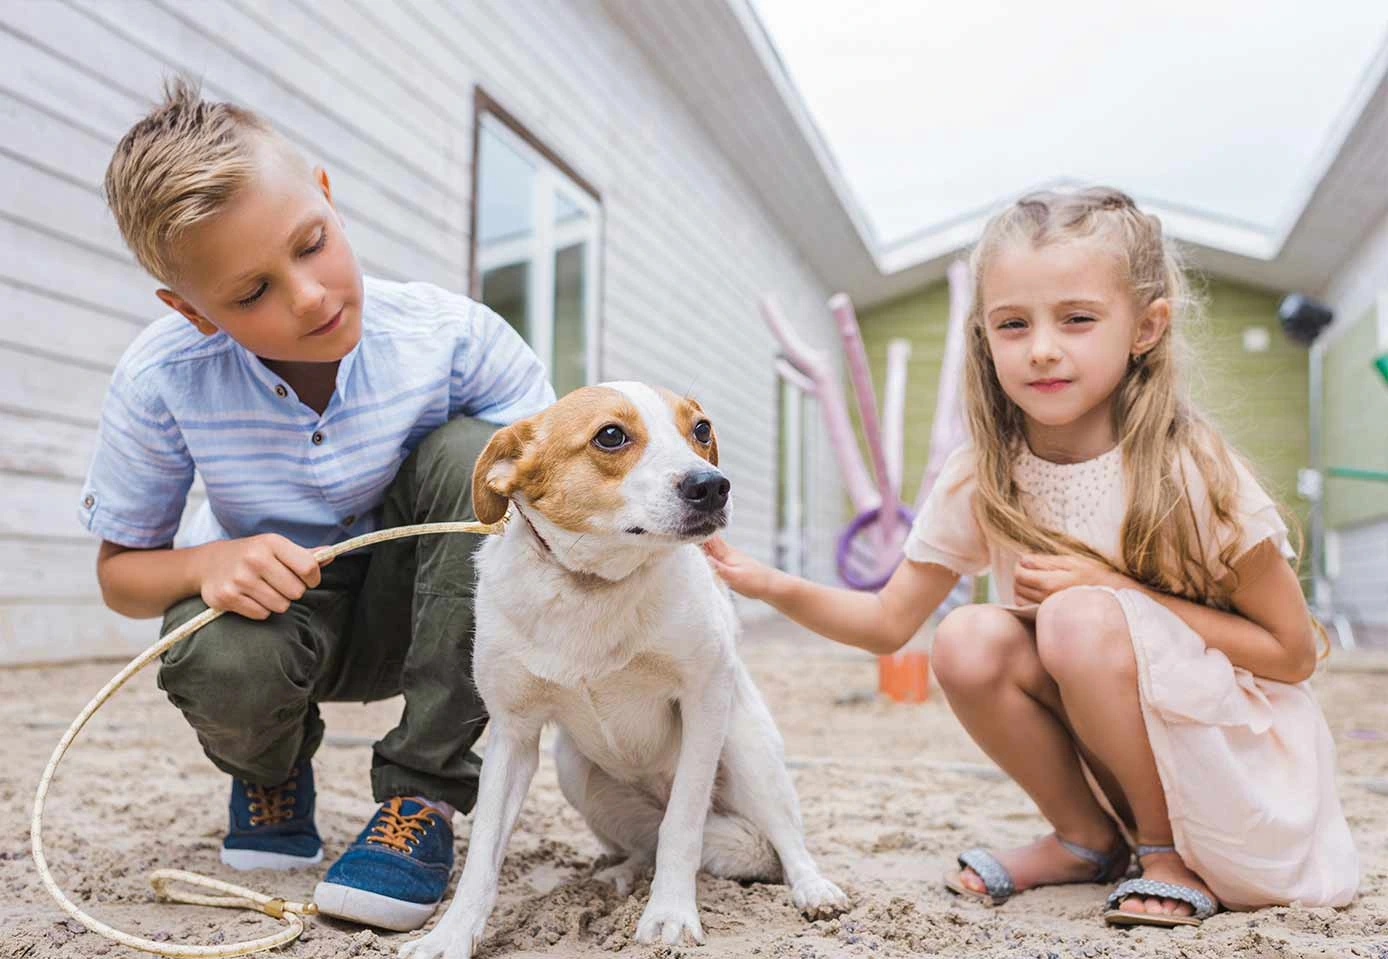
[
  {"x": 1270, "y": 634},
  {"x": 880, "y": 623}
]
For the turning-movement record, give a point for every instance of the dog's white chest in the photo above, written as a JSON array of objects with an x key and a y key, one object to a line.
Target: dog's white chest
[
  {"x": 627, "y": 720},
  {"x": 608, "y": 664}
]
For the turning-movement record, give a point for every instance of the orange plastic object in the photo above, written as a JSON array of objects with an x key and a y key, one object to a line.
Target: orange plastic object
[{"x": 905, "y": 677}]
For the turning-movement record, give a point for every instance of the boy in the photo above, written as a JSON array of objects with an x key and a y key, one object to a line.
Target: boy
[{"x": 316, "y": 406}]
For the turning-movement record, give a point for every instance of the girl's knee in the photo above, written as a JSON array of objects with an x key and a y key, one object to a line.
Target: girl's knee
[
  {"x": 973, "y": 647},
  {"x": 1080, "y": 631}
]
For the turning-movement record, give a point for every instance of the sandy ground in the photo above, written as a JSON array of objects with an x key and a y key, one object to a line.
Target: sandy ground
[{"x": 890, "y": 793}]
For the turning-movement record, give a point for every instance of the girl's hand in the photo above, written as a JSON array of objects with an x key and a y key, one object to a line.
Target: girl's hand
[
  {"x": 740, "y": 571},
  {"x": 1039, "y": 576}
]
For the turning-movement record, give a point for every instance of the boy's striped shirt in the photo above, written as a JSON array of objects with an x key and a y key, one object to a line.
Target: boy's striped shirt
[{"x": 180, "y": 401}]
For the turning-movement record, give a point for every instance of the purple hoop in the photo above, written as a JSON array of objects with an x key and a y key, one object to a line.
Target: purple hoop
[{"x": 861, "y": 521}]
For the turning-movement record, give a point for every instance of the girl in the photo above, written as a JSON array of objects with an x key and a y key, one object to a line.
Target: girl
[{"x": 1151, "y": 683}]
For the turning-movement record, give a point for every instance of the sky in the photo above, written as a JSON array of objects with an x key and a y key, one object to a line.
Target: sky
[{"x": 934, "y": 111}]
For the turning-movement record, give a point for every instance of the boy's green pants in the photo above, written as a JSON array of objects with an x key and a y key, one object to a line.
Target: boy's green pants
[{"x": 394, "y": 619}]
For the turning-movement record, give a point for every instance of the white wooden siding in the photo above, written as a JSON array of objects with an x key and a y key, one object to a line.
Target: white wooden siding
[
  {"x": 1355, "y": 289},
  {"x": 381, "y": 94},
  {"x": 1359, "y": 592},
  {"x": 1363, "y": 548}
]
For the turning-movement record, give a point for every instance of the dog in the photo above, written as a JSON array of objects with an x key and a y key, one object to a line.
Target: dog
[{"x": 597, "y": 611}]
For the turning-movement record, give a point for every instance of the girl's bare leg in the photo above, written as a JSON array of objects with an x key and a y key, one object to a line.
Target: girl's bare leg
[
  {"x": 986, "y": 660},
  {"x": 1084, "y": 645}
]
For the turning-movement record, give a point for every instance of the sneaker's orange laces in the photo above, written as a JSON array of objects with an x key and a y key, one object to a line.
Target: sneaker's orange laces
[
  {"x": 399, "y": 831},
  {"x": 272, "y": 804}
]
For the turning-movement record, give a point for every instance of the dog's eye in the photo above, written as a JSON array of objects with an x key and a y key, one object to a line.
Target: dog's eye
[
  {"x": 610, "y": 438},
  {"x": 703, "y": 431}
]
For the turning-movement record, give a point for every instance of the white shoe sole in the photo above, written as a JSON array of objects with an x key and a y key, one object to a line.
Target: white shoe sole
[
  {"x": 370, "y": 908},
  {"x": 244, "y": 859}
]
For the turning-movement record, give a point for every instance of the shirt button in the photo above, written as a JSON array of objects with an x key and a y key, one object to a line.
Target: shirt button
[
  {"x": 317, "y": 439},
  {"x": 89, "y": 501},
  {"x": 280, "y": 391},
  {"x": 350, "y": 520}
]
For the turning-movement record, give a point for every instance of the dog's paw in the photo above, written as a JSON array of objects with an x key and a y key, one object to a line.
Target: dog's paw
[
  {"x": 818, "y": 898},
  {"x": 671, "y": 922},
  {"x": 449, "y": 940},
  {"x": 623, "y": 876}
]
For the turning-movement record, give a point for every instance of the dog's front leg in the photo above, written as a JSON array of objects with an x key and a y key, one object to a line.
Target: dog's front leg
[
  {"x": 513, "y": 752},
  {"x": 673, "y": 910},
  {"x": 758, "y": 787}
]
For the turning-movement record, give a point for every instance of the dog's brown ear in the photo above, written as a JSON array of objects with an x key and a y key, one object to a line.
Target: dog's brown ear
[{"x": 494, "y": 476}]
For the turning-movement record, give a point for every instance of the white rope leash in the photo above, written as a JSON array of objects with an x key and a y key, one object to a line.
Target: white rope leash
[{"x": 235, "y": 897}]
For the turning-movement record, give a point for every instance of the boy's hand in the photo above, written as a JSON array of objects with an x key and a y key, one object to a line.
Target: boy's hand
[
  {"x": 740, "y": 571},
  {"x": 256, "y": 576}
]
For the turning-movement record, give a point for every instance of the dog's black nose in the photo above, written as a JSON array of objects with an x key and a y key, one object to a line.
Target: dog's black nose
[{"x": 706, "y": 490}]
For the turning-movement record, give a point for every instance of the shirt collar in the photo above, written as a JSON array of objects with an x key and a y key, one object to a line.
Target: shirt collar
[
  {"x": 272, "y": 381},
  {"x": 345, "y": 365}
]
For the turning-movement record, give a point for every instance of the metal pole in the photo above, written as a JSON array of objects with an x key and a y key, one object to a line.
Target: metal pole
[
  {"x": 1320, "y": 584},
  {"x": 1311, "y": 484}
]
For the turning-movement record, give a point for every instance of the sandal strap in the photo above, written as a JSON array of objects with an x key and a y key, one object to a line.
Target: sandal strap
[
  {"x": 1146, "y": 850},
  {"x": 1204, "y": 906},
  {"x": 1103, "y": 861},
  {"x": 996, "y": 879}
]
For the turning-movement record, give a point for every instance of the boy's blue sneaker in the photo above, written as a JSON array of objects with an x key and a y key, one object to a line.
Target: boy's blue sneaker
[
  {"x": 395, "y": 874},
  {"x": 272, "y": 826}
]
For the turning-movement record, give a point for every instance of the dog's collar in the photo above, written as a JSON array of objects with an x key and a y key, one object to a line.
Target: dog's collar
[
  {"x": 582, "y": 576},
  {"x": 544, "y": 547}
]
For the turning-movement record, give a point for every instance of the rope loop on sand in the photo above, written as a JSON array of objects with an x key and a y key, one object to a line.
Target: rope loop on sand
[{"x": 234, "y": 897}]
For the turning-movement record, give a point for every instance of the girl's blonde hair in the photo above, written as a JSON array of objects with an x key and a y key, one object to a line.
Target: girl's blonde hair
[{"x": 1160, "y": 430}]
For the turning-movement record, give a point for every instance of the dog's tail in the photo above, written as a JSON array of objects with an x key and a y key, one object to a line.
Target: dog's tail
[{"x": 735, "y": 849}]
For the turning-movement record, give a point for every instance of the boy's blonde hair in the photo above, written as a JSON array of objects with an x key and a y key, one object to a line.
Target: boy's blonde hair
[
  {"x": 178, "y": 166},
  {"x": 1161, "y": 432}
]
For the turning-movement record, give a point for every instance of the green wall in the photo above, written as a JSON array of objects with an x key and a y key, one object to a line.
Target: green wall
[
  {"x": 1258, "y": 399},
  {"x": 1356, "y": 415}
]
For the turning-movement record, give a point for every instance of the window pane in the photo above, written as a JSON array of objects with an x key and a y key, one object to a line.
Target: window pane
[
  {"x": 573, "y": 234},
  {"x": 570, "y": 340},
  {"x": 506, "y": 192},
  {"x": 537, "y": 236},
  {"x": 783, "y": 478},
  {"x": 505, "y": 228},
  {"x": 566, "y": 210},
  {"x": 790, "y": 478},
  {"x": 802, "y": 497},
  {"x": 504, "y": 290}
]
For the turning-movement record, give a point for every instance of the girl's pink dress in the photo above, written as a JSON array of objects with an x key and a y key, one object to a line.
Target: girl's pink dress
[{"x": 1247, "y": 764}]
